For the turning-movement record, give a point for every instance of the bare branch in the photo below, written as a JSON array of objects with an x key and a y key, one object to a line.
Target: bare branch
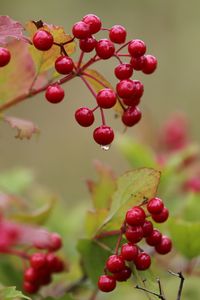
[
  {"x": 160, "y": 296},
  {"x": 180, "y": 275}
]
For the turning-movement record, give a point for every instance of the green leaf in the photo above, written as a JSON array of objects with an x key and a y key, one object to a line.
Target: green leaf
[
  {"x": 94, "y": 219},
  {"x": 191, "y": 210},
  {"x": 10, "y": 293}
]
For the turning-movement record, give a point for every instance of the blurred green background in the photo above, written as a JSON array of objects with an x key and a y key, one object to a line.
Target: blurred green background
[{"x": 62, "y": 155}]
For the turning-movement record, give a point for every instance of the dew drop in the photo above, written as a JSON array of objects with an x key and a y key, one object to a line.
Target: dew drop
[{"x": 105, "y": 147}]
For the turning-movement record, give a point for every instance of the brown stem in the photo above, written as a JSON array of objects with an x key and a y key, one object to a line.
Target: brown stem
[
  {"x": 18, "y": 253},
  {"x": 180, "y": 275},
  {"x": 150, "y": 292}
]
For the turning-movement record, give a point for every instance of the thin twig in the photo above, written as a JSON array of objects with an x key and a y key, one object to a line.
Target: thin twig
[
  {"x": 94, "y": 295},
  {"x": 150, "y": 292},
  {"x": 180, "y": 275}
]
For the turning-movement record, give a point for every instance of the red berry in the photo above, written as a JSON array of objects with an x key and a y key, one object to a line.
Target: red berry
[
  {"x": 54, "y": 93},
  {"x": 30, "y": 287},
  {"x": 150, "y": 64},
  {"x": 136, "y": 48},
  {"x": 164, "y": 246},
  {"x": 134, "y": 234},
  {"x": 103, "y": 135},
  {"x": 93, "y": 22},
  {"x": 106, "y": 98},
  {"x": 115, "y": 264},
  {"x": 4, "y": 56},
  {"x": 43, "y": 40},
  {"x": 30, "y": 275},
  {"x": 131, "y": 116},
  {"x": 143, "y": 261},
  {"x": 123, "y": 71},
  {"x": 161, "y": 217},
  {"x": 129, "y": 251},
  {"x": 135, "y": 216},
  {"x": 38, "y": 260},
  {"x": 137, "y": 63},
  {"x": 55, "y": 242},
  {"x": 133, "y": 101},
  {"x": 155, "y": 205},
  {"x": 54, "y": 263},
  {"x": 44, "y": 276},
  {"x": 64, "y": 65},
  {"x": 147, "y": 228},
  {"x": 123, "y": 275},
  {"x": 84, "y": 116},
  {"x": 117, "y": 34},
  {"x": 106, "y": 283},
  {"x": 128, "y": 88},
  {"x": 81, "y": 30},
  {"x": 88, "y": 44},
  {"x": 139, "y": 89},
  {"x": 154, "y": 238},
  {"x": 105, "y": 48},
  {"x": 59, "y": 266}
]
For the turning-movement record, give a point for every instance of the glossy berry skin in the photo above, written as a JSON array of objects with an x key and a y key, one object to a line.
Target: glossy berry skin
[
  {"x": 64, "y": 65},
  {"x": 125, "y": 88},
  {"x": 135, "y": 216},
  {"x": 55, "y": 242},
  {"x": 43, "y": 40},
  {"x": 123, "y": 275},
  {"x": 143, "y": 261},
  {"x": 54, "y": 93},
  {"x": 155, "y": 205},
  {"x": 106, "y": 283},
  {"x": 106, "y": 98},
  {"x": 150, "y": 64},
  {"x": 93, "y": 22},
  {"x": 81, "y": 30},
  {"x": 115, "y": 263},
  {"x": 154, "y": 238},
  {"x": 31, "y": 275},
  {"x": 105, "y": 48},
  {"x": 137, "y": 63},
  {"x": 139, "y": 89},
  {"x": 117, "y": 34},
  {"x": 30, "y": 288},
  {"x": 131, "y": 116},
  {"x": 87, "y": 45},
  {"x": 129, "y": 251},
  {"x": 4, "y": 56},
  {"x": 136, "y": 48},
  {"x": 133, "y": 101},
  {"x": 134, "y": 234},
  {"x": 147, "y": 228},
  {"x": 164, "y": 246},
  {"x": 84, "y": 116},
  {"x": 38, "y": 261},
  {"x": 103, "y": 135},
  {"x": 161, "y": 217},
  {"x": 123, "y": 71}
]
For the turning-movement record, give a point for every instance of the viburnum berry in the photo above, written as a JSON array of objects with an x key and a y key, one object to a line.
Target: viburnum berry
[
  {"x": 136, "y": 48},
  {"x": 106, "y": 98},
  {"x": 129, "y": 251},
  {"x": 137, "y": 63},
  {"x": 154, "y": 238},
  {"x": 43, "y": 40},
  {"x": 54, "y": 93},
  {"x": 123, "y": 71},
  {"x": 93, "y": 21},
  {"x": 44, "y": 276},
  {"x": 103, "y": 135},
  {"x": 164, "y": 246},
  {"x": 117, "y": 34},
  {"x": 4, "y": 56},
  {"x": 125, "y": 88},
  {"x": 139, "y": 88},
  {"x": 123, "y": 275},
  {"x": 30, "y": 287},
  {"x": 106, "y": 283},
  {"x": 161, "y": 217},
  {"x": 133, "y": 101},
  {"x": 134, "y": 234},
  {"x": 147, "y": 228},
  {"x": 143, "y": 261},
  {"x": 105, "y": 48},
  {"x": 55, "y": 242},
  {"x": 64, "y": 65},
  {"x": 150, "y": 64},
  {"x": 135, "y": 216},
  {"x": 38, "y": 260},
  {"x": 81, "y": 30},
  {"x": 115, "y": 263},
  {"x": 31, "y": 275},
  {"x": 87, "y": 45},
  {"x": 131, "y": 116},
  {"x": 84, "y": 116},
  {"x": 155, "y": 205}
]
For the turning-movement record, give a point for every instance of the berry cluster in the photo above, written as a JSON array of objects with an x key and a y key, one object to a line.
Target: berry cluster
[
  {"x": 4, "y": 56},
  {"x": 136, "y": 227},
  {"x": 128, "y": 91}
]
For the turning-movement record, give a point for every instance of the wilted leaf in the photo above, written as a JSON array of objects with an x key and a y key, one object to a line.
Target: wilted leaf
[
  {"x": 10, "y": 293},
  {"x": 25, "y": 129}
]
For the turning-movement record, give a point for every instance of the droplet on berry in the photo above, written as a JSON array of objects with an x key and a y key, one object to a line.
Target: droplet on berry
[
  {"x": 54, "y": 93},
  {"x": 81, "y": 30},
  {"x": 136, "y": 48},
  {"x": 135, "y": 216},
  {"x": 106, "y": 98},
  {"x": 84, "y": 116},
  {"x": 4, "y": 56},
  {"x": 155, "y": 205},
  {"x": 123, "y": 71},
  {"x": 106, "y": 283},
  {"x": 117, "y": 34},
  {"x": 115, "y": 264},
  {"x": 87, "y": 45},
  {"x": 105, "y": 147},
  {"x": 93, "y": 22},
  {"x": 43, "y": 40},
  {"x": 150, "y": 64},
  {"x": 103, "y": 135},
  {"x": 105, "y": 48},
  {"x": 131, "y": 116},
  {"x": 64, "y": 65}
]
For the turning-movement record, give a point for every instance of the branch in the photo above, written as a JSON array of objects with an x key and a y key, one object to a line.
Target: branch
[
  {"x": 180, "y": 275},
  {"x": 160, "y": 296}
]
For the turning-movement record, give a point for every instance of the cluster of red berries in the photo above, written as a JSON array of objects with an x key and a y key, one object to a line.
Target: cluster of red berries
[
  {"x": 136, "y": 227},
  {"x": 5, "y": 56},
  {"x": 42, "y": 266},
  {"x": 128, "y": 92}
]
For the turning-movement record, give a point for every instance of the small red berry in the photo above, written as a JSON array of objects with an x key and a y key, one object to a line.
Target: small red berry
[
  {"x": 64, "y": 65},
  {"x": 155, "y": 205},
  {"x": 84, "y": 116},
  {"x": 88, "y": 44},
  {"x": 55, "y": 242},
  {"x": 4, "y": 56},
  {"x": 134, "y": 234},
  {"x": 93, "y": 22},
  {"x": 136, "y": 48},
  {"x": 133, "y": 101},
  {"x": 135, "y": 216},
  {"x": 43, "y": 40},
  {"x": 164, "y": 246},
  {"x": 147, "y": 228},
  {"x": 105, "y": 48},
  {"x": 123, "y": 275},
  {"x": 129, "y": 252},
  {"x": 115, "y": 264},
  {"x": 123, "y": 71},
  {"x": 106, "y": 98},
  {"x": 38, "y": 260},
  {"x": 161, "y": 217},
  {"x": 103, "y": 135},
  {"x": 44, "y": 276},
  {"x": 131, "y": 116},
  {"x": 81, "y": 30},
  {"x": 154, "y": 238},
  {"x": 54, "y": 263},
  {"x": 30, "y": 287},
  {"x": 117, "y": 34},
  {"x": 143, "y": 261},
  {"x": 150, "y": 64},
  {"x": 137, "y": 63},
  {"x": 106, "y": 283},
  {"x": 59, "y": 266},
  {"x": 125, "y": 88},
  {"x": 31, "y": 275},
  {"x": 54, "y": 93}
]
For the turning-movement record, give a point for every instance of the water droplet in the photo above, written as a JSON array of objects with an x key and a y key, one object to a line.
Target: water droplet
[{"x": 105, "y": 147}]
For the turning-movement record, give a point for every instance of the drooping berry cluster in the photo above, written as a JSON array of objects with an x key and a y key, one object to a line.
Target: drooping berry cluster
[
  {"x": 136, "y": 227},
  {"x": 128, "y": 91},
  {"x": 5, "y": 56}
]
